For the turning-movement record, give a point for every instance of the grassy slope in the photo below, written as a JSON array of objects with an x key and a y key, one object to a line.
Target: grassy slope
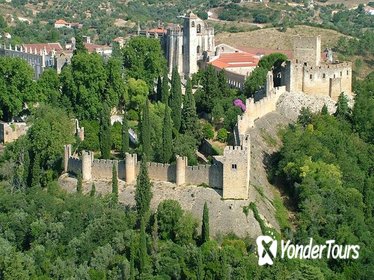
[{"x": 271, "y": 38}]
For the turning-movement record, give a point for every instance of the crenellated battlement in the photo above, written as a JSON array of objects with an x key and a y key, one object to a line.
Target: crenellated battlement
[{"x": 199, "y": 167}]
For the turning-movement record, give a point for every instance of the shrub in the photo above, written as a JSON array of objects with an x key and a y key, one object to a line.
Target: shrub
[
  {"x": 222, "y": 135},
  {"x": 208, "y": 131}
]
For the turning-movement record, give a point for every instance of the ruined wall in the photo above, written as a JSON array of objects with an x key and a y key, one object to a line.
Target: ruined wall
[{"x": 10, "y": 132}]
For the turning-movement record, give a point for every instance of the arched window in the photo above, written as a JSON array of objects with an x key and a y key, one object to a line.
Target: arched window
[
  {"x": 193, "y": 24},
  {"x": 198, "y": 49},
  {"x": 198, "y": 28}
]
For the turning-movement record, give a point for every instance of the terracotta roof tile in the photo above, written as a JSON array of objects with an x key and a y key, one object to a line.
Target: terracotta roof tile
[{"x": 239, "y": 59}]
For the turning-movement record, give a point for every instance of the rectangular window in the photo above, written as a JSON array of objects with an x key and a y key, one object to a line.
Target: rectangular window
[
  {"x": 311, "y": 76},
  {"x": 323, "y": 75},
  {"x": 234, "y": 166}
]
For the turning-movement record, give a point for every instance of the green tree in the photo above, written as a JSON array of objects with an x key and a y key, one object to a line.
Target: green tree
[
  {"x": 255, "y": 81},
  {"x": 138, "y": 93},
  {"x": 342, "y": 108},
  {"x": 222, "y": 84},
  {"x": 48, "y": 87},
  {"x": 125, "y": 136},
  {"x": 143, "y": 59},
  {"x": 93, "y": 190},
  {"x": 36, "y": 172},
  {"x": 167, "y": 137},
  {"x": 305, "y": 116},
  {"x": 176, "y": 99},
  {"x": 222, "y": 135},
  {"x": 143, "y": 192},
  {"x": 272, "y": 60},
  {"x": 190, "y": 122},
  {"x": 114, "y": 184},
  {"x": 186, "y": 145},
  {"x": 16, "y": 87},
  {"x": 79, "y": 45},
  {"x": 146, "y": 132},
  {"x": 205, "y": 224},
  {"x": 210, "y": 89},
  {"x": 143, "y": 255},
  {"x": 169, "y": 212},
  {"x": 51, "y": 129},
  {"x": 165, "y": 89},
  {"x": 324, "y": 110},
  {"x": 105, "y": 132},
  {"x": 159, "y": 89},
  {"x": 363, "y": 110},
  {"x": 79, "y": 184},
  {"x": 116, "y": 91},
  {"x": 83, "y": 85}
]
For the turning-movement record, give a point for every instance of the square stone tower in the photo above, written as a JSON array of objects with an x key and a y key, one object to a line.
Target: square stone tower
[
  {"x": 307, "y": 50},
  {"x": 236, "y": 167}
]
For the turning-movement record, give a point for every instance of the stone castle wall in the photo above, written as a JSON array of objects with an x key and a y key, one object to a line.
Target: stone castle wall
[
  {"x": 179, "y": 172},
  {"x": 255, "y": 110},
  {"x": 162, "y": 172},
  {"x": 10, "y": 132}
]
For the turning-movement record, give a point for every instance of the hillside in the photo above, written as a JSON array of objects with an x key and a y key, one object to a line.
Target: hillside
[{"x": 272, "y": 38}]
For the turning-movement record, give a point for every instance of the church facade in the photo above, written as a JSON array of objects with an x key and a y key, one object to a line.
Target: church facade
[{"x": 188, "y": 44}]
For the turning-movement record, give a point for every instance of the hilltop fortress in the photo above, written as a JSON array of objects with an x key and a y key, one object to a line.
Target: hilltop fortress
[{"x": 306, "y": 72}]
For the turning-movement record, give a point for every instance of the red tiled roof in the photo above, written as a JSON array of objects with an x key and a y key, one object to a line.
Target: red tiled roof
[
  {"x": 157, "y": 30},
  {"x": 61, "y": 21},
  {"x": 92, "y": 47},
  {"x": 239, "y": 59},
  {"x": 48, "y": 46}
]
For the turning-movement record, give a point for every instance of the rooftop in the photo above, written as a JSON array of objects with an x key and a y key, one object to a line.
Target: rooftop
[
  {"x": 237, "y": 59},
  {"x": 47, "y": 46}
]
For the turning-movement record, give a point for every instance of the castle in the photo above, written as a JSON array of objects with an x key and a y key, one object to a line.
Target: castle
[
  {"x": 186, "y": 48},
  {"x": 308, "y": 73}
]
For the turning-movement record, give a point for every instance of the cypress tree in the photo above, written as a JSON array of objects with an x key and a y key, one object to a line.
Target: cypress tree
[
  {"x": 205, "y": 225},
  {"x": 167, "y": 137},
  {"x": 143, "y": 248},
  {"x": 93, "y": 190},
  {"x": 342, "y": 108},
  {"x": 143, "y": 192},
  {"x": 35, "y": 179},
  {"x": 222, "y": 84},
  {"x": 159, "y": 89},
  {"x": 210, "y": 89},
  {"x": 125, "y": 135},
  {"x": 146, "y": 132},
  {"x": 165, "y": 89},
  {"x": 105, "y": 134},
  {"x": 114, "y": 183},
  {"x": 189, "y": 115},
  {"x": 132, "y": 260},
  {"x": 155, "y": 236},
  {"x": 324, "y": 110},
  {"x": 79, "y": 183},
  {"x": 176, "y": 99}
]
